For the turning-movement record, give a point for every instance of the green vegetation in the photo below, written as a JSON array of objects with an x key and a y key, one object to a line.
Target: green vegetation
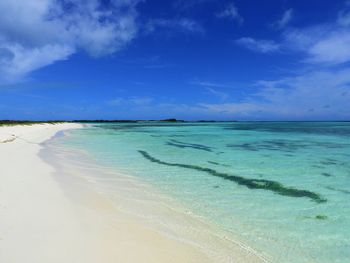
[
  {"x": 12, "y": 123},
  {"x": 172, "y": 120}
]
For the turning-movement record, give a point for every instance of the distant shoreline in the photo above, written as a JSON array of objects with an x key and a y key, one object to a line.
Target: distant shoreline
[{"x": 32, "y": 122}]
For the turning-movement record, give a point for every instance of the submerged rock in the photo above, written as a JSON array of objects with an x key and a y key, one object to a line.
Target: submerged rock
[{"x": 321, "y": 217}]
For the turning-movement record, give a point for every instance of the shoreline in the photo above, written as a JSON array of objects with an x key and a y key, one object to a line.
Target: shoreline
[{"x": 52, "y": 217}]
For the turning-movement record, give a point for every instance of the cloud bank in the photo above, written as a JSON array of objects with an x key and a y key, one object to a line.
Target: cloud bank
[
  {"x": 34, "y": 34},
  {"x": 313, "y": 95},
  {"x": 327, "y": 44}
]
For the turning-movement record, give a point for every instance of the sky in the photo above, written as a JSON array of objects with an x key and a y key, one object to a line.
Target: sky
[{"x": 184, "y": 59}]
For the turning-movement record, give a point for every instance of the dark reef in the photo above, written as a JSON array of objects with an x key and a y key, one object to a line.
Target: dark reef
[
  {"x": 179, "y": 144},
  {"x": 308, "y": 127},
  {"x": 344, "y": 191},
  {"x": 321, "y": 217},
  {"x": 287, "y": 146},
  {"x": 268, "y": 185}
]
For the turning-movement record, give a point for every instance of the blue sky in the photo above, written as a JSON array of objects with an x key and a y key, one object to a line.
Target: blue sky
[{"x": 188, "y": 59}]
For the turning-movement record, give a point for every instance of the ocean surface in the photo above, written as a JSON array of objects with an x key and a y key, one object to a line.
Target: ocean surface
[{"x": 282, "y": 188}]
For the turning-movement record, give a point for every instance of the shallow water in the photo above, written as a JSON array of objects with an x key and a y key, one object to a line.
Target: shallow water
[{"x": 283, "y": 188}]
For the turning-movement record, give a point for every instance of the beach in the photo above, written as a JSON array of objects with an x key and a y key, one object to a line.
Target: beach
[
  {"x": 276, "y": 191},
  {"x": 174, "y": 131},
  {"x": 45, "y": 218}
]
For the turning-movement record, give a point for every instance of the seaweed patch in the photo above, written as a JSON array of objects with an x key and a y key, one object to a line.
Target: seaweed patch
[
  {"x": 189, "y": 145},
  {"x": 296, "y": 127},
  {"x": 328, "y": 162},
  {"x": 321, "y": 217},
  {"x": 338, "y": 190},
  {"x": 288, "y": 146},
  {"x": 216, "y": 163},
  {"x": 318, "y": 217},
  {"x": 268, "y": 185}
]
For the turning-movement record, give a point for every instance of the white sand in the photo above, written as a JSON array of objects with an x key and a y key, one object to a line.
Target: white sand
[{"x": 40, "y": 223}]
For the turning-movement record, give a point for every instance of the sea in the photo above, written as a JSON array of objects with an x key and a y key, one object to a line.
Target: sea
[{"x": 280, "y": 188}]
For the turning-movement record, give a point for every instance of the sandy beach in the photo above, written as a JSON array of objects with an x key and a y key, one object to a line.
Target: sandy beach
[
  {"x": 174, "y": 131},
  {"x": 40, "y": 222}
]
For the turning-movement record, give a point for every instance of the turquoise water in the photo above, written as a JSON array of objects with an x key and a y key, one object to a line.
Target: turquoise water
[{"x": 283, "y": 188}]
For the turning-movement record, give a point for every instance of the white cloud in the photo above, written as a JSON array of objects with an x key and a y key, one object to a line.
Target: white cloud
[
  {"x": 258, "y": 45},
  {"x": 321, "y": 44},
  {"x": 324, "y": 43},
  {"x": 181, "y": 24},
  {"x": 344, "y": 18},
  {"x": 221, "y": 95},
  {"x": 285, "y": 19},
  {"x": 20, "y": 60},
  {"x": 328, "y": 44},
  {"x": 209, "y": 84},
  {"x": 236, "y": 110},
  {"x": 313, "y": 95},
  {"x": 34, "y": 34},
  {"x": 213, "y": 89},
  {"x": 333, "y": 49},
  {"x": 135, "y": 101},
  {"x": 231, "y": 12},
  {"x": 323, "y": 92}
]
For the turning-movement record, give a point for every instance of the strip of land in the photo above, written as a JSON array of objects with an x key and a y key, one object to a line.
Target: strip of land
[{"x": 40, "y": 223}]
